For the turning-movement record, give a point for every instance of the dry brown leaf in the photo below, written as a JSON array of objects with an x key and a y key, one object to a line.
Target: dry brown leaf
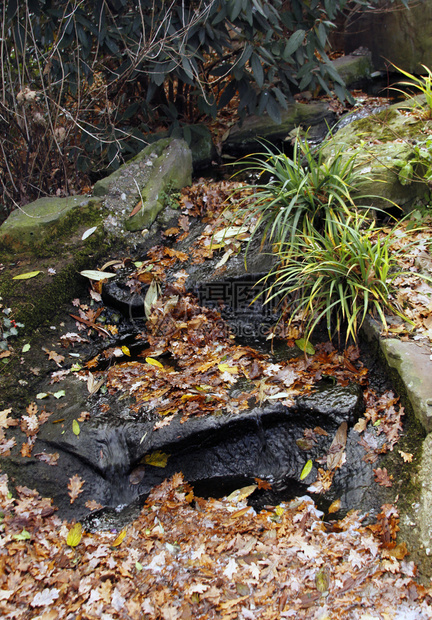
[
  {"x": 407, "y": 456},
  {"x": 382, "y": 477},
  {"x": 75, "y": 487}
]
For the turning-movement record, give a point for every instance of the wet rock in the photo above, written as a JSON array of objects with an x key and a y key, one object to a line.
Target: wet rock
[
  {"x": 410, "y": 365},
  {"x": 112, "y": 447},
  {"x": 337, "y": 403},
  {"x": 118, "y": 295}
]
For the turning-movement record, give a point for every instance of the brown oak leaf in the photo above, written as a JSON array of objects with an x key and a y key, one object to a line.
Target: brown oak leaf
[
  {"x": 75, "y": 487},
  {"x": 382, "y": 477}
]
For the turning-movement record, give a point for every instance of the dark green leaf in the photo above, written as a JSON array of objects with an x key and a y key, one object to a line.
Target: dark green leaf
[
  {"x": 273, "y": 110},
  {"x": 257, "y": 70},
  {"x": 294, "y": 43}
]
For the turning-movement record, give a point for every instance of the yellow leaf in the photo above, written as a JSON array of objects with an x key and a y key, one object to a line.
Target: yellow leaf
[
  {"x": 74, "y": 535},
  {"x": 125, "y": 350},
  {"x": 153, "y": 362},
  {"x": 306, "y": 470},
  {"x": 76, "y": 427},
  {"x": 239, "y": 513},
  {"x": 157, "y": 459},
  {"x": 233, "y": 370},
  {"x": 120, "y": 538},
  {"x": 279, "y": 511},
  {"x": 322, "y": 580},
  {"x": 334, "y": 506},
  {"x": 240, "y": 494},
  {"x": 26, "y": 276}
]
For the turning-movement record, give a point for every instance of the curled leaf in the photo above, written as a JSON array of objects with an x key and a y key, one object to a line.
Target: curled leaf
[
  {"x": 94, "y": 274},
  {"x": 153, "y": 362},
  {"x": 120, "y": 538},
  {"x": 151, "y": 297}
]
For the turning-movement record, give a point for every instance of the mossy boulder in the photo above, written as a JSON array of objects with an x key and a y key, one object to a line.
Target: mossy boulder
[
  {"x": 356, "y": 67},
  {"x": 246, "y": 137},
  {"x": 149, "y": 178},
  {"x": 39, "y": 226},
  {"x": 383, "y": 144},
  {"x": 46, "y": 237}
]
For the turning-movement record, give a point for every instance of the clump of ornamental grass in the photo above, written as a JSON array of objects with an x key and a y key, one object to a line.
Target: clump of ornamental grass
[
  {"x": 338, "y": 275},
  {"x": 298, "y": 191},
  {"x": 422, "y": 85}
]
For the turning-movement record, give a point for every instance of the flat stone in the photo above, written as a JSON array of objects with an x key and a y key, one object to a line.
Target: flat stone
[
  {"x": 355, "y": 67},
  {"x": 425, "y": 499},
  {"x": 413, "y": 366}
]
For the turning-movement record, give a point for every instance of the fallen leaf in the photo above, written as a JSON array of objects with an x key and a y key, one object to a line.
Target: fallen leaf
[
  {"x": 53, "y": 355},
  {"x": 153, "y": 362},
  {"x": 24, "y": 535},
  {"x": 407, "y": 456},
  {"x": 305, "y": 346},
  {"x": 322, "y": 580},
  {"x": 26, "y": 276},
  {"x": 91, "y": 504},
  {"x": 76, "y": 428},
  {"x": 44, "y": 598},
  {"x": 96, "y": 275},
  {"x": 382, "y": 477},
  {"x": 45, "y": 457},
  {"x": 75, "y": 487},
  {"x": 306, "y": 470},
  {"x": 26, "y": 348},
  {"x": 232, "y": 370},
  {"x": 88, "y": 232},
  {"x": 336, "y": 453},
  {"x": 334, "y": 506},
  {"x": 151, "y": 298},
  {"x": 263, "y": 484},
  {"x": 120, "y": 538},
  {"x": 74, "y": 535},
  {"x": 157, "y": 459}
]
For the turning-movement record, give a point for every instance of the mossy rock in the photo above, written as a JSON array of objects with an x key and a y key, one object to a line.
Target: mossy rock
[
  {"x": 149, "y": 178},
  {"x": 247, "y": 136},
  {"x": 51, "y": 243},
  {"x": 382, "y": 143},
  {"x": 41, "y": 226}
]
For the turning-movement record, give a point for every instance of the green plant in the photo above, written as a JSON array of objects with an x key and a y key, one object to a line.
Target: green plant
[
  {"x": 339, "y": 274},
  {"x": 8, "y": 327},
  {"x": 298, "y": 191},
  {"x": 419, "y": 164},
  {"x": 423, "y": 84}
]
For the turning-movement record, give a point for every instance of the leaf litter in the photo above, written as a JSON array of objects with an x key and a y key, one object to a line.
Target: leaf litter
[{"x": 186, "y": 557}]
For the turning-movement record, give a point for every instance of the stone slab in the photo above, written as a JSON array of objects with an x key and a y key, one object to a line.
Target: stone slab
[{"x": 412, "y": 363}]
